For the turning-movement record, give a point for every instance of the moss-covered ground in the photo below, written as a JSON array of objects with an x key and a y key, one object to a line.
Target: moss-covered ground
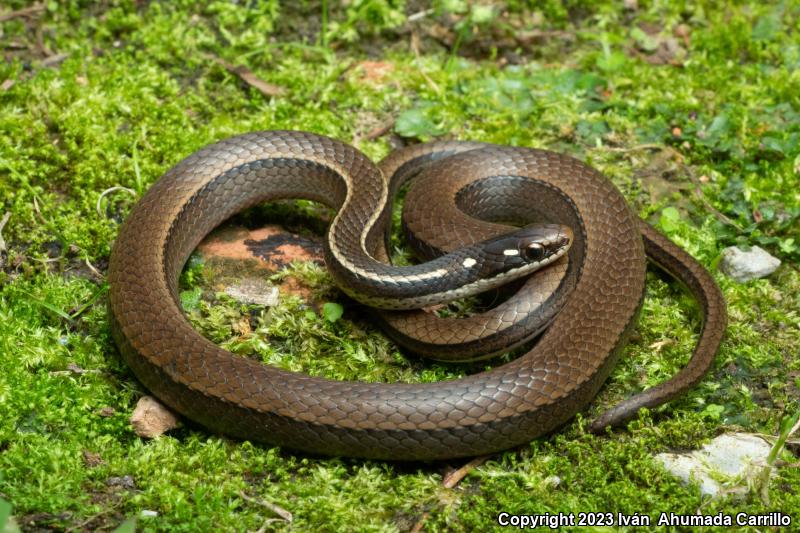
[{"x": 692, "y": 109}]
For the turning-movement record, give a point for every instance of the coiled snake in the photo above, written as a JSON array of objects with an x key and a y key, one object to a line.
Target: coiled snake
[{"x": 603, "y": 278}]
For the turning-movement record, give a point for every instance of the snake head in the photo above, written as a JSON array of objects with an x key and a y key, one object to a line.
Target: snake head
[{"x": 527, "y": 249}]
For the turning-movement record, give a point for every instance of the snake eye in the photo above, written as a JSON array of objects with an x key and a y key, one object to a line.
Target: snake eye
[{"x": 534, "y": 252}]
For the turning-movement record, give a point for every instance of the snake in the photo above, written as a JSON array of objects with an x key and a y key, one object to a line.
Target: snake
[{"x": 593, "y": 230}]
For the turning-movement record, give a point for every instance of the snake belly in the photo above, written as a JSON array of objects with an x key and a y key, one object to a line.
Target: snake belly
[{"x": 482, "y": 413}]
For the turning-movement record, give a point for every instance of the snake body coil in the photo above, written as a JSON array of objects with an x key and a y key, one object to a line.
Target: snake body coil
[{"x": 479, "y": 414}]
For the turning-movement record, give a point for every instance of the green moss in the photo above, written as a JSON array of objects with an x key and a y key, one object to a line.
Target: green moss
[{"x": 137, "y": 92}]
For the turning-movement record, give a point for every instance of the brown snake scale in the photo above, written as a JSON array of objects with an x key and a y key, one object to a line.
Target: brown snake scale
[{"x": 482, "y": 413}]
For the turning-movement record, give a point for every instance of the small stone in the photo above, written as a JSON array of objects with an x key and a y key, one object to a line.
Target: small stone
[
  {"x": 151, "y": 419},
  {"x": 147, "y": 513},
  {"x": 254, "y": 291},
  {"x": 743, "y": 266},
  {"x": 688, "y": 469},
  {"x": 552, "y": 481},
  {"x": 630, "y": 5},
  {"x": 126, "y": 482},
  {"x": 722, "y": 466}
]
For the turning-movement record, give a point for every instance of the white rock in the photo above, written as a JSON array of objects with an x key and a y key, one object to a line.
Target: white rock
[
  {"x": 723, "y": 464},
  {"x": 688, "y": 469},
  {"x": 735, "y": 453},
  {"x": 743, "y": 266},
  {"x": 552, "y": 481},
  {"x": 254, "y": 291}
]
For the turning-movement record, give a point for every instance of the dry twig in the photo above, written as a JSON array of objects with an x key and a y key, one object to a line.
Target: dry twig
[
  {"x": 454, "y": 477},
  {"x": 277, "y": 509},
  {"x": 380, "y": 130},
  {"x": 449, "y": 481},
  {"x": 698, "y": 191},
  {"x": 247, "y": 76},
  {"x": 30, "y": 11}
]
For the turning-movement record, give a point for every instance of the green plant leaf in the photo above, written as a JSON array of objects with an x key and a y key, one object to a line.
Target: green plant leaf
[
  {"x": 767, "y": 27},
  {"x": 611, "y": 62},
  {"x": 787, "y": 246},
  {"x": 7, "y": 523},
  {"x": 670, "y": 219},
  {"x": 332, "y": 311},
  {"x": 719, "y": 126},
  {"x": 591, "y": 131},
  {"x": 50, "y": 307},
  {"x": 414, "y": 122},
  {"x": 713, "y": 411},
  {"x": 128, "y": 526},
  {"x": 191, "y": 298},
  {"x": 644, "y": 41},
  {"x": 481, "y": 14}
]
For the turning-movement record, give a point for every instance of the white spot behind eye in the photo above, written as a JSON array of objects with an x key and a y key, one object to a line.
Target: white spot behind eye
[
  {"x": 468, "y": 262},
  {"x": 511, "y": 251}
]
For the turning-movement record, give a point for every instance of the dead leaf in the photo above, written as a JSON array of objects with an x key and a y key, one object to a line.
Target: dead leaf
[
  {"x": 375, "y": 71},
  {"x": 91, "y": 459},
  {"x": 669, "y": 51},
  {"x": 242, "y": 327}
]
